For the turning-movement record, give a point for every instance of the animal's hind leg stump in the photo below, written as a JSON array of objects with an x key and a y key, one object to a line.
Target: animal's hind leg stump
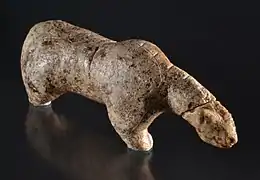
[{"x": 38, "y": 95}]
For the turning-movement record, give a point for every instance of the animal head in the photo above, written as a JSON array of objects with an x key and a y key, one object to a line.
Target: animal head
[{"x": 214, "y": 124}]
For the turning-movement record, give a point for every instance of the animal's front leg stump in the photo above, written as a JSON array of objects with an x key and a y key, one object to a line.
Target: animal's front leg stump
[
  {"x": 136, "y": 139},
  {"x": 133, "y": 78}
]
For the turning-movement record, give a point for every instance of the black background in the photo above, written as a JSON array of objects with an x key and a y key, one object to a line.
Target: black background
[{"x": 217, "y": 43}]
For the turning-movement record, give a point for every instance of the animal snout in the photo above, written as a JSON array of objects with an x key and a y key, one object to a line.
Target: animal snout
[{"x": 230, "y": 141}]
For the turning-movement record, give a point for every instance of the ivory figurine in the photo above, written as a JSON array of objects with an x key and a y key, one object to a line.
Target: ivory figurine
[{"x": 133, "y": 78}]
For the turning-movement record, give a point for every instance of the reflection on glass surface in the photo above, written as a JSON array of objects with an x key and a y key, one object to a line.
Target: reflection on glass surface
[{"x": 79, "y": 154}]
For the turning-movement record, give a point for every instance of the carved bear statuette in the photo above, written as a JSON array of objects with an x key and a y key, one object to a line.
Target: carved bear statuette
[{"x": 132, "y": 78}]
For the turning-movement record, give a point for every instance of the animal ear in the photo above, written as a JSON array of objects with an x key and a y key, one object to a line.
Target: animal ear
[
  {"x": 207, "y": 116},
  {"x": 193, "y": 117}
]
